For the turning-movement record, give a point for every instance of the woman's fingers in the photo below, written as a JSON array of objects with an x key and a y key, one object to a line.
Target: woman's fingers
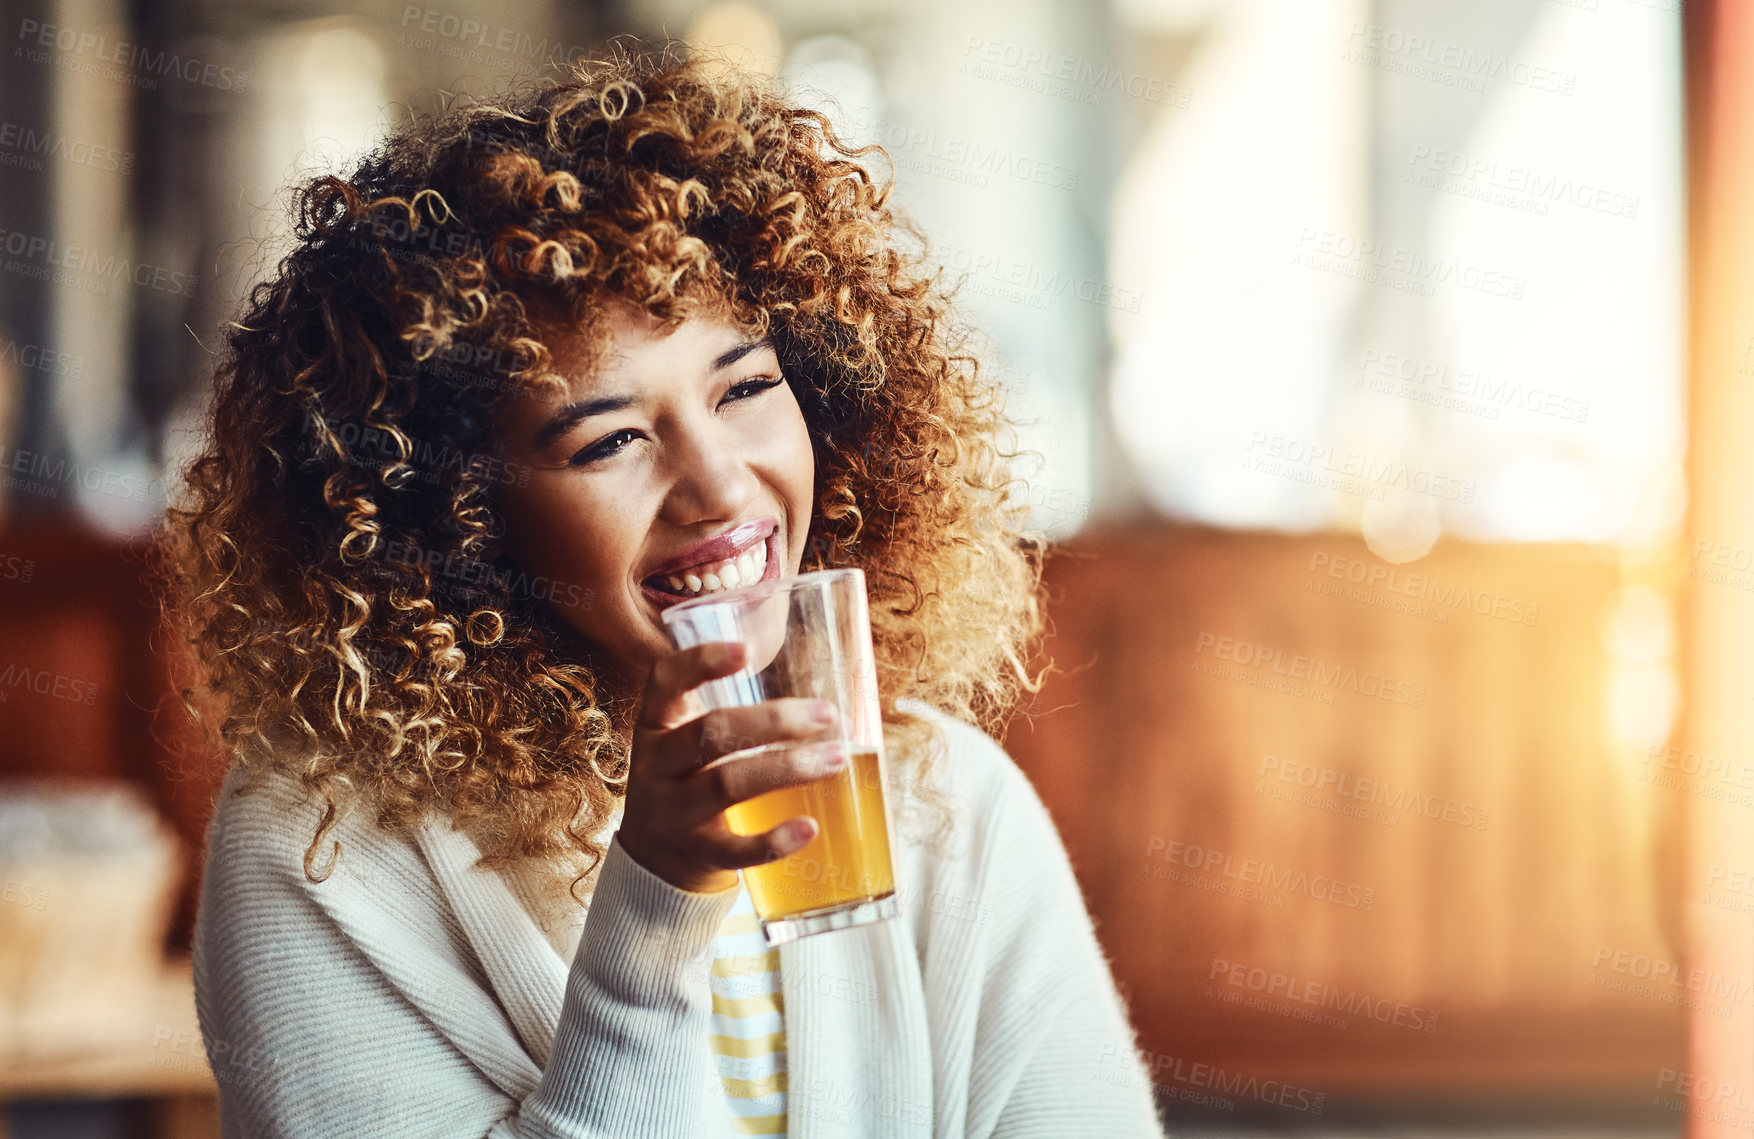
[
  {"x": 737, "y": 851},
  {"x": 684, "y": 773},
  {"x": 727, "y": 782},
  {"x": 787, "y": 718},
  {"x": 665, "y": 704},
  {"x": 679, "y": 752}
]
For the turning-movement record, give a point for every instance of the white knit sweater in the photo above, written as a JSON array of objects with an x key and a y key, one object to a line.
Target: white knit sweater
[{"x": 413, "y": 994}]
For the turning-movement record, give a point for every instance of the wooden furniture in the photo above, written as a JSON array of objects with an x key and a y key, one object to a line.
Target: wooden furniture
[
  {"x": 73, "y": 606},
  {"x": 1217, "y": 755},
  {"x": 161, "y": 1061}
]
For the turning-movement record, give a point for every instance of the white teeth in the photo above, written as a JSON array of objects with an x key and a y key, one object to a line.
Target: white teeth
[{"x": 746, "y": 568}]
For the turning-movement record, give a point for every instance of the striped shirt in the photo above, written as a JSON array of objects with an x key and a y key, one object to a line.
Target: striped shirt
[{"x": 748, "y": 1022}]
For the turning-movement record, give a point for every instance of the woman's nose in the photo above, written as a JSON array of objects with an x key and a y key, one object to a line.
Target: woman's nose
[{"x": 710, "y": 479}]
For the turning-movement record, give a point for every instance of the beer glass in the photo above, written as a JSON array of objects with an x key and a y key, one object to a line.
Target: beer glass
[{"x": 807, "y": 636}]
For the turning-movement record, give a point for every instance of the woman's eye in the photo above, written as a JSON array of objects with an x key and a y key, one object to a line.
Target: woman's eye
[
  {"x": 605, "y": 447},
  {"x": 752, "y": 388},
  {"x": 614, "y": 443}
]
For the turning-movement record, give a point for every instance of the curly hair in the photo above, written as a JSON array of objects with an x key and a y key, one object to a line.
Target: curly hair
[{"x": 334, "y": 563}]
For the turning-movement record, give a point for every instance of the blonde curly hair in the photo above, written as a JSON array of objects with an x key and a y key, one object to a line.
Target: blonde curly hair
[{"x": 334, "y": 564}]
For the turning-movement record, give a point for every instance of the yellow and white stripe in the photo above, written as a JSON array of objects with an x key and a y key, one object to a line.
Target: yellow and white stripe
[{"x": 749, "y": 1022}]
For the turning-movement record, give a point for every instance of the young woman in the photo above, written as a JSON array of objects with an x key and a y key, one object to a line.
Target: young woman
[{"x": 527, "y": 377}]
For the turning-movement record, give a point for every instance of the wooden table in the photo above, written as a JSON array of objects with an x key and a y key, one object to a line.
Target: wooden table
[{"x": 158, "y": 1059}]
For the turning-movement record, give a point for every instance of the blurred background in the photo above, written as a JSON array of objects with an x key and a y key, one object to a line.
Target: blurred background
[{"x": 1390, "y": 374}]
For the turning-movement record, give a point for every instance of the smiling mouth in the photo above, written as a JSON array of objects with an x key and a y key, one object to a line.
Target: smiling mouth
[{"x": 747, "y": 568}]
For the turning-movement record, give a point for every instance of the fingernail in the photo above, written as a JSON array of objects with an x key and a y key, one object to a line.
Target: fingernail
[
  {"x": 799, "y": 834},
  {"x": 823, "y": 712},
  {"x": 834, "y": 760}
]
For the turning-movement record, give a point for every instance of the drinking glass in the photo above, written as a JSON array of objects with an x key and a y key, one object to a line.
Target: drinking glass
[{"x": 807, "y": 636}]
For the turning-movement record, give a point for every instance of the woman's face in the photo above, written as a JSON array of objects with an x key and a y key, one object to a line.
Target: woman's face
[{"x": 675, "y": 466}]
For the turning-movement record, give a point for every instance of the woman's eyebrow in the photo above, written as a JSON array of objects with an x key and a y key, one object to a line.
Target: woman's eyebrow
[
  {"x": 732, "y": 355},
  {"x": 571, "y": 414}
]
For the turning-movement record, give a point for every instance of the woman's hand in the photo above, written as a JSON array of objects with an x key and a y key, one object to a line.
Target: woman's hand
[{"x": 674, "y": 820}]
